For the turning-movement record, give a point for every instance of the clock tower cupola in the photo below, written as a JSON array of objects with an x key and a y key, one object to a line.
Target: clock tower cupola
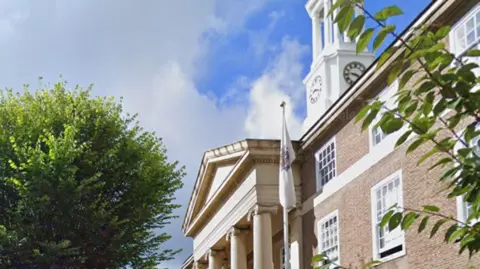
[{"x": 335, "y": 63}]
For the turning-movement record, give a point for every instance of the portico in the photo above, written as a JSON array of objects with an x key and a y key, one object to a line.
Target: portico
[{"x": 234, "y": 215}]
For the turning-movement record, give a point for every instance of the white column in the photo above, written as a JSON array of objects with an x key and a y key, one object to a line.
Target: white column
[
  {"x": 262, "y": 237},
  {"x": 327, "y": 22},
  {"x": 215, "y": 259},
  {"x": 336, "y": 30},
  {"x": 316, "y": 36},
  {"x": 238, "y": 248}
]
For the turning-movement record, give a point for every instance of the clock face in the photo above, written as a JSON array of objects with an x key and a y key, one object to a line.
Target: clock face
[
  {"x": 353, "y": 71},
  {"x": 315, "y": 89}
]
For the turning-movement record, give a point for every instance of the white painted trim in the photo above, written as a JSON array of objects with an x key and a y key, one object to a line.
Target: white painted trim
[
  {"x": 358, "y": 168},
  {"x": 334, "y": 141},
  {"x": 319, "y": 232},
  {"x": 373, "y": 206}
]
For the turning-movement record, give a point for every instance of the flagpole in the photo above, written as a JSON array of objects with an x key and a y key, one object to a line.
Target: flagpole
[{"x": 285, "y": 216}]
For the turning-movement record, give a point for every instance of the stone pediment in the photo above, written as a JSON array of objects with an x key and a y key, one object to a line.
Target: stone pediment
[{"x": 218, "y": 171}]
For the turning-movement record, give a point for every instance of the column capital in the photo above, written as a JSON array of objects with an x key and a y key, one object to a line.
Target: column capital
[
  {"x": 262, "y": 209},
  {"x": 235, "y": 231},
  {"x": 199, "y": 265},
  {"x": 214, "y": 252}
]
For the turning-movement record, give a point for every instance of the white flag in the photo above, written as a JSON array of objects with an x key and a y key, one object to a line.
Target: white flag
[{"x": 286, "y": 185}]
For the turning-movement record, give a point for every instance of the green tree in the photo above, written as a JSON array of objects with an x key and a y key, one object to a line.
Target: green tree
[
  {"x": 440, "y": 111},
  {"x": 82, "y": 185}
]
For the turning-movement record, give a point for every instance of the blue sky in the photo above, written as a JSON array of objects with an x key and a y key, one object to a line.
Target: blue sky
[{"x": 199, "y": 73}]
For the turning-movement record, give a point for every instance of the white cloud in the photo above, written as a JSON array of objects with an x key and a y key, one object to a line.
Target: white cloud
[
  {"x": 281, "y": 82},
  {"x": 12, "y": 14}
]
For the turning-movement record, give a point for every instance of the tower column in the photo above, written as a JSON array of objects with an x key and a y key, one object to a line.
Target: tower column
[
  {"x": 327, "y": 22},
  {"x": 336, "y": 30},
  {"x": 359, "y": 12},
  {"x": 316, "y": 36}
]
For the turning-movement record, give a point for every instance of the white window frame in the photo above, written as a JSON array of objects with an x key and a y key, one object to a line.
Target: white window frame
[
  {"x": 317, "y": 168},
  {"x": 401, "y": 238},
  {"x": 452, "y": 35},
  {"x": 453, "y": 41},
  {"x": 319, "y": 234},
  {"x": 385, "y": 95}
]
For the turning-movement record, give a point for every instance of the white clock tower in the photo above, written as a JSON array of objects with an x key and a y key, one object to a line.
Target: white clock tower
[{"x": 335, "y": 65}]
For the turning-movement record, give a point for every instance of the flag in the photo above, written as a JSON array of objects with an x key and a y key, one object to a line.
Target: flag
[{"x": 286, "y": 185}]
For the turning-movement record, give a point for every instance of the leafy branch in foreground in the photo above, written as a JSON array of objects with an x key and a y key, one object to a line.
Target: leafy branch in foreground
[{"x": 436, "y": 106}]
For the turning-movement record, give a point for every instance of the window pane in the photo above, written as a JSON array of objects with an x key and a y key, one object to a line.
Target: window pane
[
  {"x": 470, "y": 24},
  {"x": 326, "y": 164},
  {"x": 470, "y": 37}
]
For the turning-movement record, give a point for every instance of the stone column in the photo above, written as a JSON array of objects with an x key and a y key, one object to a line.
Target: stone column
[
  {"x": 238, "y": 248},
  {"x": 262, "y": 236},
  {"x": 215, "y": 259}
]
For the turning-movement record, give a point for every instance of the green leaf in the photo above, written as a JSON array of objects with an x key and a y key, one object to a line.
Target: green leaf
[
  {"x": 427, "y": 155},
  {"x": 386, "y": 218},
  {"x": 415, "y": 145},
  {"x": 437, "y": 226},
  {"x": 439, "y": 107},
  {"x": 392, "y": 125},
  {"x": 395, "y": 221},
  {"x": 441, "y": 162},
  {"x": 403, "y": 138},
  {"x": 431, "y": 208},
  {"x": 394, "y": 72},
  {"x": 454, "y": 120},
  {"x": 362, "y": 113},
  {"x": 442, "y": 32},
  {"x": 318, "y": 258},
  {"x": 473, "y": 53},
  {"x": 382, "y": 34},
  {"x": 335, "y": 6},
  {"x": 356, "y": 27},
  {"x": 428, "y": 103},
  {"x": 370, "y": 117},
  {"x": 423, "y": 224},
  {"x": 458, "y": 234},
  {"x": 450, "y": 231},
  {"x": 364, "y": 39},
  {"x": 408, "y": 220},
  {"x": 405, "y": 78},
  {"x": 388, "y": 12},
  {"x": 344, "y": 17},
  {"x": 385, "y": 56},
  {"x": 371, "y": 264}
]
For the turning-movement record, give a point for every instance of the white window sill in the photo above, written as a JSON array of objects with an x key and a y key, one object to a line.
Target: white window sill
[{"x": 393, "y": 256}]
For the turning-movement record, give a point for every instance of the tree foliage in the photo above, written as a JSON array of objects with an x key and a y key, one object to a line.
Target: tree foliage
[
  {"x": 82, "y": 185},
  {"x": 437, "y": 105}
]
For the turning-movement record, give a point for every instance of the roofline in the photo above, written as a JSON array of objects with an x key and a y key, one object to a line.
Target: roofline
[{"x": 405, "y": 34}]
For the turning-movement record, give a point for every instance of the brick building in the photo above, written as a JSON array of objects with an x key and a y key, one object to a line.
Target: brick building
[{"x": 345, "y": 178}]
